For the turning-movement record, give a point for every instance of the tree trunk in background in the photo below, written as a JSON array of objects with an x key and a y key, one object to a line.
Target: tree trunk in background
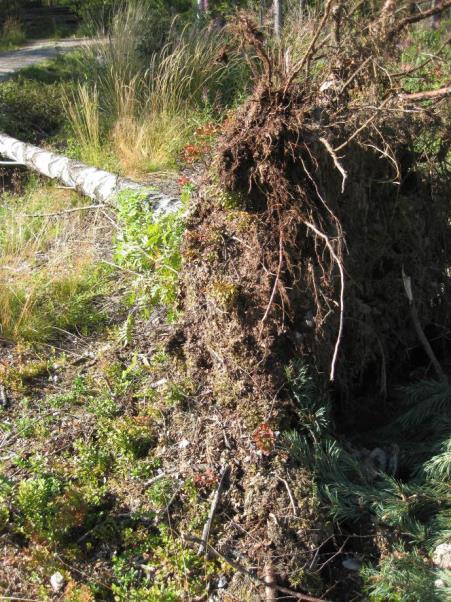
[
  {"x": 261, "y": 12},
  {"x": 97, "y": 184},
  {"x": 437, "y": 19},
  {"x": 277, "y": 8}
]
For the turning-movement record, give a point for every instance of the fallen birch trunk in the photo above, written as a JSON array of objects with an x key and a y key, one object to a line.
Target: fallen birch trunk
[{"x": 94, "y": 183}]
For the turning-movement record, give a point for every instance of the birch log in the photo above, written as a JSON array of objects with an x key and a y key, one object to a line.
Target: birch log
[{"x": 94, "y": 183}]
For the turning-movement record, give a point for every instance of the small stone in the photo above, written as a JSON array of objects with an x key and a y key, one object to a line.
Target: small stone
[
  {"x": 439, "y": 583},
  {"x": 442, "y": 556},
  {"x": 184, "y": 443},
  {"x": 351, "y": 564},
  {"x": 57, "y": 581},
  {"x": 222, "y": 582}
]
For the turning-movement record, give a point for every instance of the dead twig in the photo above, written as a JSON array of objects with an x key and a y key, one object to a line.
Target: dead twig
[
  {"x": 329, "y": 560},
  {"x": 211, "y": 514},
  {"x": 154, "y": 480},
  {"x": 354, "y": 75},
  {"x": 290, "y": 495},
  {"x": 276, "y": 281},
  {"x": 424, "y": 63},
  {"x": 363, "y": 126},
  {"x": 270, "y": 580},
  {"x": 435, "y": 10},
  {"x": 297, "y": 68},
  {"x": 3, "y": 397},
  {"x": 428, "y": 95},
  {"x": 63, "y": 212}
]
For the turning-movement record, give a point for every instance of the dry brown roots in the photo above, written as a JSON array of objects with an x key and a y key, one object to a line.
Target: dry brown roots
[{"x": 293, "y": 252}]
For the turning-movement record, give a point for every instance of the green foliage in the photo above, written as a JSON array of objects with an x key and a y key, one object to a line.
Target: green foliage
[
  {"x": 36, "y": 499},
  {"x": 416, "y": 511},
  {"x": 125, "y": 438},
  {"x": 150, "y": 247},
  {"x": 63, "y": 305},
  {"x": 177, "y": 572},
  {"x": 427, "y": 74},
  {"x": 402, "y": 577},
  {"x": 312, "y": 411},
  {"x": 30, "y": 110},
  {"x": 439, "y": 466}
]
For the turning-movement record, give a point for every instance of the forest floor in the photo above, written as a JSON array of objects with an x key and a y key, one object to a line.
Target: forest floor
[{"x": 139, "y": 413}]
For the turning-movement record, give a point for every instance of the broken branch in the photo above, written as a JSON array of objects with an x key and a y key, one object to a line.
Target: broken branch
[
  {"x": 420, "y": 16},
  {"x": 407, "y": 281},
  {"x": 211, "y": 514},
  {"x": 429, "y": 95}
]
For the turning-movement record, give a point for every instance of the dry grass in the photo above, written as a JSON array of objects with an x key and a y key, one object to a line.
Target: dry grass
[
  {"x": 47, "y": 264},
  {"x": 82, "y": 109},
  {"x": 149, "y": 106}
]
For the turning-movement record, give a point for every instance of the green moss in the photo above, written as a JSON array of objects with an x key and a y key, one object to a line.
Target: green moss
[{"x": 224, "y": 293}]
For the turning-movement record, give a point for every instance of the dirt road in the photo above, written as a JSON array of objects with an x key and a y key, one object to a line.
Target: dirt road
[{"x": 37, "y": 52}]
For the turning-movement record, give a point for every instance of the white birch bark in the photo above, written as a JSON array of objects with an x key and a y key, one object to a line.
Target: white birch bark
[
  {"x": 94, "y": 183},
  {"x": 278, "y": 17}
]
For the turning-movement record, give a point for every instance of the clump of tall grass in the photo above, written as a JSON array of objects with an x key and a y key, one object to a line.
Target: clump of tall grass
[
  {"x": 47, "y": 265},
  {"x": 149, "y": 104},
  {"x": 82, "y": 108}
]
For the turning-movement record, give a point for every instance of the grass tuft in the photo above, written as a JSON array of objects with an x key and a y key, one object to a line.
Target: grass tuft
[{"x": 49, "y": 279}]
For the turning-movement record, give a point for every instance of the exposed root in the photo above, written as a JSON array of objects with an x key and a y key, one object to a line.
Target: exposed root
[{"x": 342, "y": 294}]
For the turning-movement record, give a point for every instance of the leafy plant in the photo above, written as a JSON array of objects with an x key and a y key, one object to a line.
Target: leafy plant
[
  {"x": 36, "y": 499},
  {"x": 150, "y": 247}
]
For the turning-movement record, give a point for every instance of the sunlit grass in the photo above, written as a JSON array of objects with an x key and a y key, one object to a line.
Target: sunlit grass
[
  {"x": 142, "y": 110},
  {"x": 47, "y": 265}
]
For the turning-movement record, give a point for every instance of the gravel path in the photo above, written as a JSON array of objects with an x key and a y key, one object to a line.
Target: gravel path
[{"x": 37, "y": 52}]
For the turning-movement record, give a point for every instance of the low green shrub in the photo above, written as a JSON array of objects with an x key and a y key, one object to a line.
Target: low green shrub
[{"x": 151, "y": 248}]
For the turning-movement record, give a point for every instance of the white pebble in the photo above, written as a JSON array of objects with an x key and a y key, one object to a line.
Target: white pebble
[{"x": 57, "y": 581}]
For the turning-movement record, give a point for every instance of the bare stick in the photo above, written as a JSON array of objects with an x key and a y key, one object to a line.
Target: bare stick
[
  {"x": 290, "y": 495},
  {"x": 63, "y": 212},
  {"x": 270, "y": 580},
  {"x": 424, "y": 63},
  {"x": 329, "y": 560},
  {"x": 3, "y": 397},
  {"x": 407, "y": 281},
  {"x": 356, "y": 72},
  {"x": 342, "y": 294},
  {"x": 429, "y": 95},
  {"x": 211, "y": 514},
  {"x": 276, "y": 281},
  {"x": 154, "y": 480}
]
